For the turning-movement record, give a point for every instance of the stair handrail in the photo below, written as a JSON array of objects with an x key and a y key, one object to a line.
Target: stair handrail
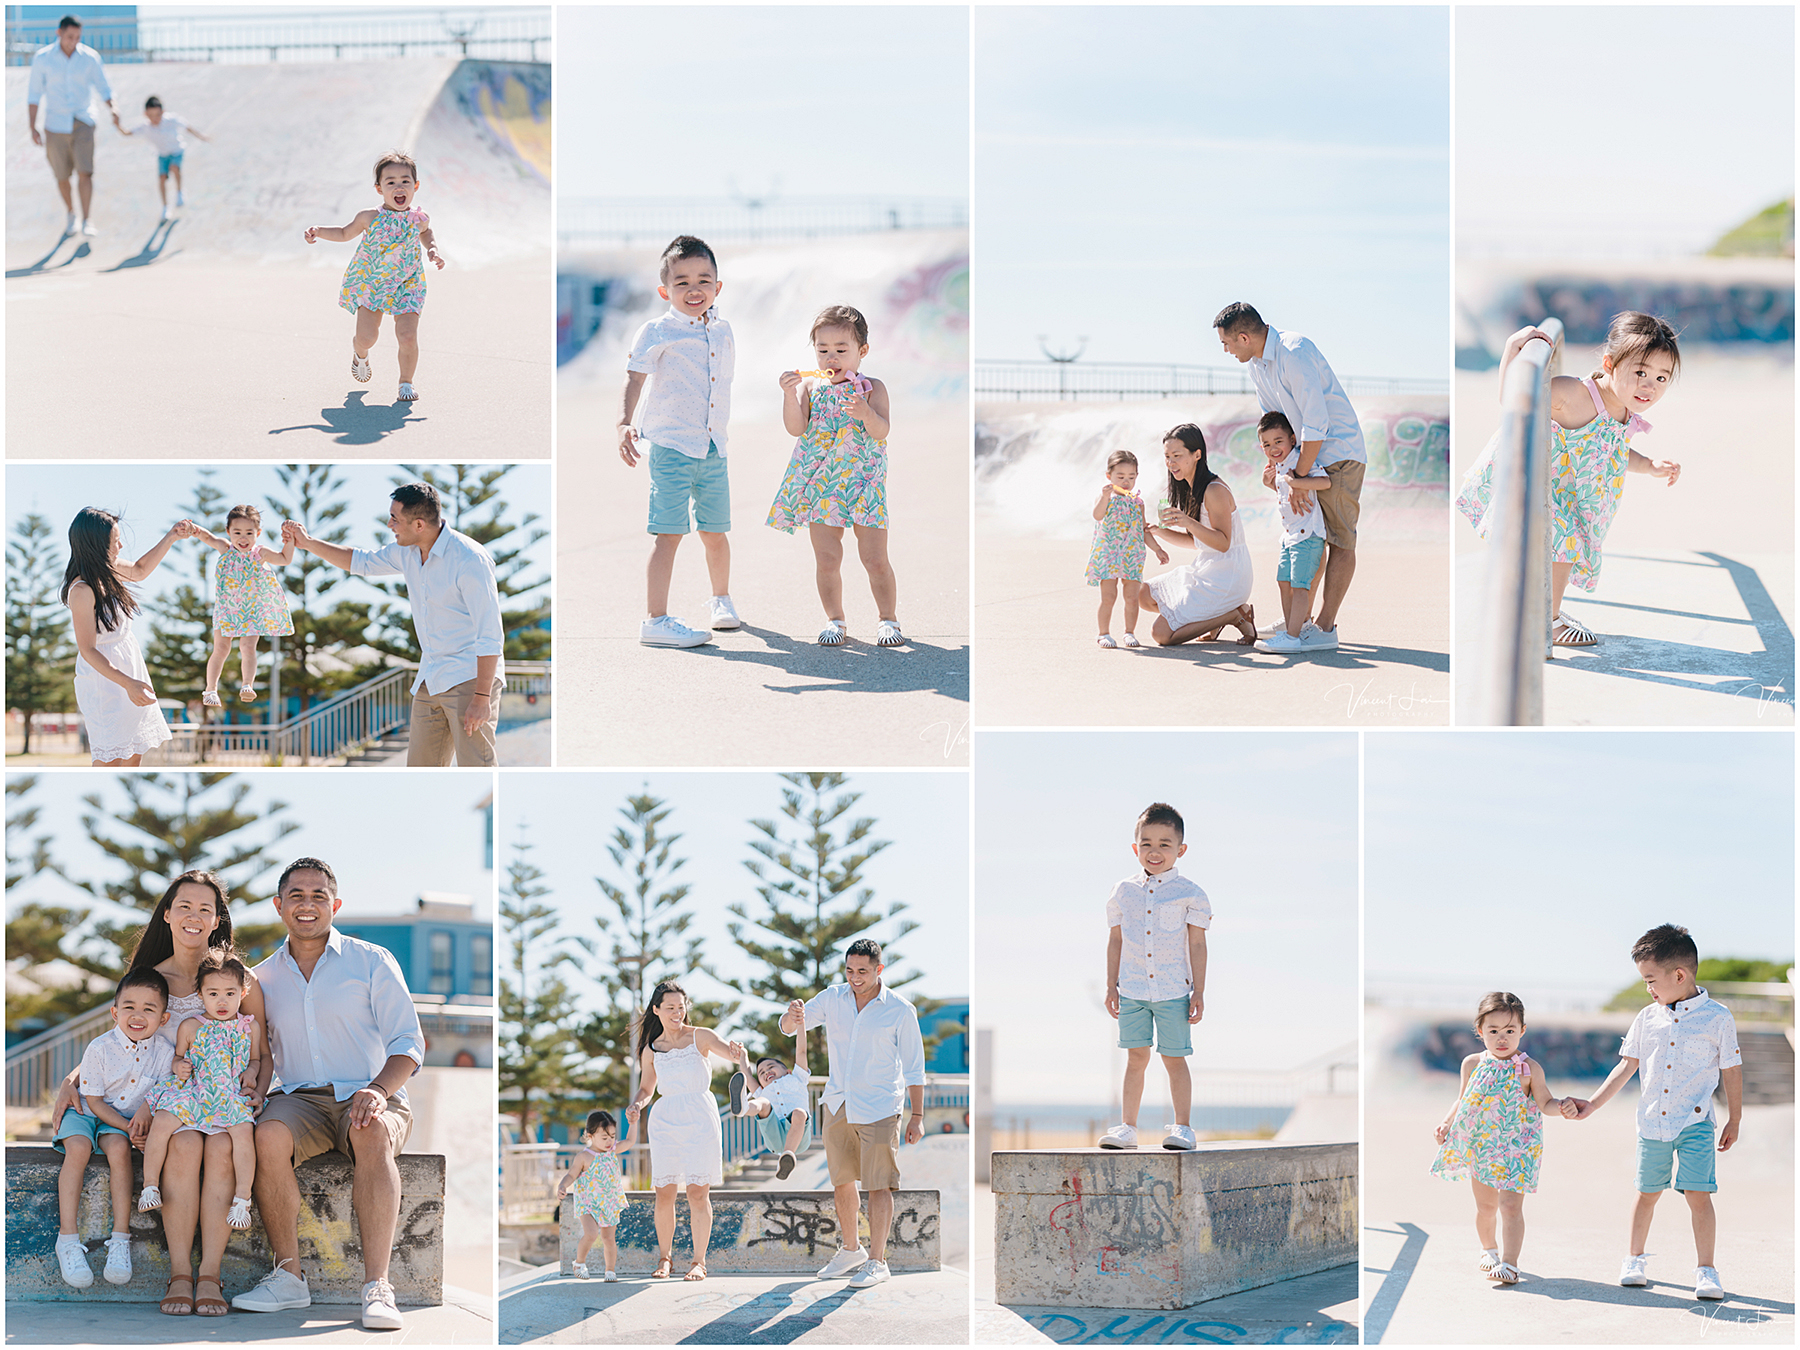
[{"x": 36, "y": 1062}]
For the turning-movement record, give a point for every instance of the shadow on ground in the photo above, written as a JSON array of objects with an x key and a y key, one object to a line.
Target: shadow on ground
[
  {"x": 918, "y": 667},
  {"x": 359, "y": 423}
]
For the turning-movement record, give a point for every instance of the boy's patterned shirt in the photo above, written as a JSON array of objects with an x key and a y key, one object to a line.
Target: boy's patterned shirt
[
  {"x": 690, "y": 363},
  {"x": 123, "y": 1072},
  {"x": 1680, "y": 1049},
  {"x": 1152, "y": 914}
]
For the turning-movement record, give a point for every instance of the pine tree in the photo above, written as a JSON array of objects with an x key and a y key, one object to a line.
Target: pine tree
[
  {"x": 40, "y": 647},
  {"x": 536, "y": 1005},
  {"x": 314, "y": 499},
  {"x": 168, "y": 824},
  {"x": 815, "y": 903},
  {"x": 21, "y": 817}
]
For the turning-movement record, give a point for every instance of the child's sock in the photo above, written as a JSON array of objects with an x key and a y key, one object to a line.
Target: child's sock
[{"x": 118, "y": 1234}]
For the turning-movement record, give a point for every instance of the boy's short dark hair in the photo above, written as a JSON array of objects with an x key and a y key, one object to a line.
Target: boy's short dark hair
[
  {"x": 868, "y": 947},
  {"x": 681, "y": 247},
  {"x": 1237, "y": 317},
  {"x": 152, "y": 102},
  {"x": 68, "y": 21},
  {"x": 1161, "y": 813},
  {"x": 419, "y": 501},
  {"x": 302, "y": 865},
  {"x": 780, "y": 1064},
  {"x": 1276, "y": 421},
  {"x": 144, "y": 977},
  {"x": 1669, "y": 946}
]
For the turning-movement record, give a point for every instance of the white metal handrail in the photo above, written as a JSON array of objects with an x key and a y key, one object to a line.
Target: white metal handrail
[
  {"x": 1515, "y": 636},
  {"x": 1120, "y": 381}
]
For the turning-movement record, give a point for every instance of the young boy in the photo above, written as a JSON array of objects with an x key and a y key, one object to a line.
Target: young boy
[
  {"x": 1302, "y": 534},
  {"x": 1156, "y": 971},
  {"x": 119, "y": 1070},
  {"x": 164, "y": 131},
  {"x": 691, "y": 355},
  {"x": 783, "y": 1106},
  {"x": 1681, "y": 1046}
]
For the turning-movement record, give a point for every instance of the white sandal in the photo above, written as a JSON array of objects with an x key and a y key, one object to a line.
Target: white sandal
[
  {"x": 210, "y": 699},
  {"x": 149, "y": 1200},
  {"x": 359, "y": 368},
  {"x": 1130, "y": 640},
  {"x": 239, "y": 1214},
  {"x": 407, "y": 392},
  {"x": 1105, "y": 640},
  {"x": 1566, "y": 632},
  {"x": 888, "y": 634},
  {"x": 1489, "y": 1263},
  {"x": 246, "y": 693},
  {"x": 1506, "y": 1273},
  {"x": 833, "y": 634}
]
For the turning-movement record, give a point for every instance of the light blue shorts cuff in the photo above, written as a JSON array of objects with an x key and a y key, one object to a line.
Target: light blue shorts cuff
[
  {"x": 678, "y": 480},
  {"x": 1300, "y": 562},
  {"x": 1167, "y": 1018},
  {"x": 1690, "y": 1156},
  {"x": 77, "y": 1126}
]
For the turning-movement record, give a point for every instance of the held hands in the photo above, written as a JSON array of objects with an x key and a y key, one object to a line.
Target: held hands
[
  {"x": 1576, "y": 1108},
  {"x": 632, "y": 1112},
  {"x": 366, "y": 1104},
  {"x": 292, "y": 532},
  {"x": 628, "y": 447},
  {"x": 1268, "y": 475}
]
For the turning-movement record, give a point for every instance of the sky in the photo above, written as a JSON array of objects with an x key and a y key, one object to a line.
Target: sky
[
  {"x": 1534, "y": 860},
  {"x": 388, "y": 837},
  {"x": 1691, "y": 132},
  {"x": 571, "y": 816},
  {"x": 148, "y": 498},
  {"x": 1271, "y": 835},
  {"x": 1138, "y": 168},
  {"x": 810, "y": 101}
]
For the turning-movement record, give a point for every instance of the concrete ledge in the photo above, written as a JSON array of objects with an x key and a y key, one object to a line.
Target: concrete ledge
[
  {"x": 1151, "y": 1228},
  {"x": 330, "y": 1249},
  {"x": 764, "y": 1232}
]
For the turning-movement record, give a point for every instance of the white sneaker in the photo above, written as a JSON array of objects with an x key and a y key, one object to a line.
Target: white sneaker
[
  {"x": 846, "y": 1260},
  {"x": 665, "y": 630},
  {"x": 1633, "y": 1271},
  {"x": 69, "y": 225},
  {"x": 118, "y": 1259},
  {"x": 278, "y": 1291},
  {"x": 181, "y": 199},
  {"x": 785, "y": 1168},
  {"x": 71, "y": 1255},
  {"x": 1706, "y": 1283},
  {"x": 1120, "y": 1136},
  {"x": 724, "y": 614},
  {"x": 581, "y": 1272},
  {"x": 167, "y": 213},
  {"x": 88, "y": 230},
  {"x": 1281, "y": 643},
  {"x": 1180, "y": 1138},
  {"x": 875, "y": 1272},
  {"x": 380, "y": 1313},
  {"x": 735, "y": 1091},
  {"x": 1317, "y": 639}
]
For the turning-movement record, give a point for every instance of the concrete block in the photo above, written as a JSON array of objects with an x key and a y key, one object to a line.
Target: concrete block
[
  {"x": 1152, "y": 1228},
  {"x": 330, "y": 1249},
  {"x": 763, "y": 1232},
  {"x": 535, "y": 1244}
]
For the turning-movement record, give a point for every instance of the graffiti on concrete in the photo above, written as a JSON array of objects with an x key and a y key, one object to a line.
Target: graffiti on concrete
[
  {"x": 1699, "y": 311},
  {"x": 1131, "y": 1234},
  {"x": 807, "y": 1225},
  {"x": 1408, "y": 449},
  {"x": 1178, "y": 1329}
]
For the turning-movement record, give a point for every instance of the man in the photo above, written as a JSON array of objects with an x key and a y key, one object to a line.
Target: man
[
  {"x": 877, "y": 1057},
  {"x": 1292, "y": 377},
  {"x": 344, "y": 1037},
  {"x": 455, "y": 598},
  {"x": 64, "y": 77}
]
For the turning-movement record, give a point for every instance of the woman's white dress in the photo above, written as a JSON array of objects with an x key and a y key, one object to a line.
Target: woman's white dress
[
  {"x": 1214, "y": 583},
  {"x": 116, "y": 727},
  {"x": 686, "y": 1147}
]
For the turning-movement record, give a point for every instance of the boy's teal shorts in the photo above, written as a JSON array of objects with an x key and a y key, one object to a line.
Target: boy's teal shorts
[
  {"x": 1168, "y": 1017},
  {"x": 677, "y": 479},
  {"x": 1690, "y": 1155},
  {"x": 77, "y": 1126},
  {"x": 774, "y": 1133}
]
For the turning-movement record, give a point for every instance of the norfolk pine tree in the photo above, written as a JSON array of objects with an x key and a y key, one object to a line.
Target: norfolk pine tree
[{"x": 40, "y": 648}]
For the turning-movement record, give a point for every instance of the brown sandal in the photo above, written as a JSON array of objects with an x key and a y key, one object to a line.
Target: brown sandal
[
  {"x": 1245, "y": 623},
  {"x": 178, "y": 1305},
  {"x": 697, "y": 1266},
  {"x": 665, "y": 1267},
  {"x": 211, "y": 1307}
]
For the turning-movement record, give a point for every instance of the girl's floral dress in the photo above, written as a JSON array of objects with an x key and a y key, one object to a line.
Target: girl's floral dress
[
  {"x": 249, "y": 600},
  {"x": 1118, "y": 552},
  {"x": 210, "y": 1101},
  {"x": 838, "y": 472},
  {"x": 387, "y": 272},
  {"x": 1587, "y": 478},
  {"x": 1497, "y": 1134},
  {"x": 599, "y": 1190}
]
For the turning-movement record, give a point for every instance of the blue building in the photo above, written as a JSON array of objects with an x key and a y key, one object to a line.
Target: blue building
[
  {"x": 950, "y": 1055},
  {"x": 111, "y": 30}
]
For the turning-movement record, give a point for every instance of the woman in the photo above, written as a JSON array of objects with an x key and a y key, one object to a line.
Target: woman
[
  {"x": 191, "y": 918},
  {"x": 112, "y": 683},
  {"x": 686, "y": 1148},
  {"x": 1198, "y": 600}
]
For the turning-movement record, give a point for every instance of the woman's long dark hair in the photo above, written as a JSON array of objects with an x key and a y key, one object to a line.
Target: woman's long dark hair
[
  {"x": 1186, "y": 498},
  {"x": 650, "y": 1027},
  {"x": 90, "y": 560},
  {"x": 156, "y": 943}
]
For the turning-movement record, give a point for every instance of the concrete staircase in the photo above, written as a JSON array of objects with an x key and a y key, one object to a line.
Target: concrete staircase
[
  {"x": 389, "y": 749},
  {"x": 760, "y": 1171},
  {"x": 1768, "y": 1065}
]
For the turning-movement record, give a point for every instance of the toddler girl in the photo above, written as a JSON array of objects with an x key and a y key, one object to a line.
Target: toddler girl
[
  {"x": 386, "y": 276},
  {"x": 837, "y": 477},
  {"x": 249, "y": 601},
  {"x": 1592, "y": 421},
  {"x": 213, "y": 1052},
  {"x": 599, "y": 1192},
  {"x": 1120, "y": 538},
  {"x": 1493, "y": 1135}
]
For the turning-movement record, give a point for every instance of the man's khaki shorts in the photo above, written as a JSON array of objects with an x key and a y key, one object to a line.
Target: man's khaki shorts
[
  {"x": 866, "y": 1153},
  {"x": 1342, "y": 503},
  {"x": 320, "y": 1123},
  {"x": 70, "y": 151}
]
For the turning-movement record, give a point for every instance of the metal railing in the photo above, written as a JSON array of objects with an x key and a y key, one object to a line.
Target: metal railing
[
  {"x": 1124, "y": 381},
  {"x": 1333, "y": 1073},
  {"x": 627, "y": 221},
  {"x": 507, "y": 33},
  {"x": 1515, "y": 619}
]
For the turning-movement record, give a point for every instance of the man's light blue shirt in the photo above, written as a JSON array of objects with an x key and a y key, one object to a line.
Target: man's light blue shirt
[
  {"x": 339, "y": 1028},
  {"x": 875, "y": 1054},
  {"x": 455, "y": 598},
  {"x": 1292, "y": 377},
  {"x": 63, "y": 86}
]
